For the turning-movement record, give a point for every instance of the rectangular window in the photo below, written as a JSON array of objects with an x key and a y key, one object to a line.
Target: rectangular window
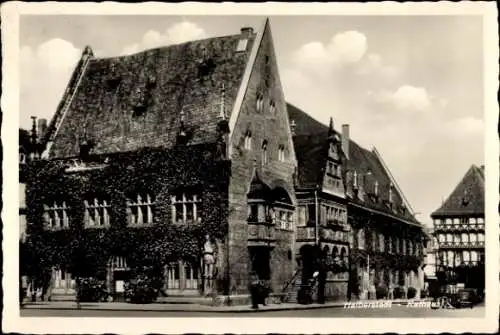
[
  {"x": 96, "y": 212},
  {"x": 141, "y": 209},
  {"x": 185, "y": 208},
  {"x": 381, "y": 243},
  {"x": 56, "y": 215},
  {"x": 311, "y": 215},
  {"x": 361, "y": 239},
  {"x": 301, "y": 216}
]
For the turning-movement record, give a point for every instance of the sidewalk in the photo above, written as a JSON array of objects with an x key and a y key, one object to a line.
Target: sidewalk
[{"x": 168, "y": 307}]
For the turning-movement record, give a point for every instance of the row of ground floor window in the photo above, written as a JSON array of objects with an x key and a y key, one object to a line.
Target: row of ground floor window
[{"x": 185, "y": 279}]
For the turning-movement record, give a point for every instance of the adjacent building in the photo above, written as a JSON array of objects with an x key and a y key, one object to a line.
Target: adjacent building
[
  {"x": 360, "y": 214},
  {"x": 459, "y": 229}
]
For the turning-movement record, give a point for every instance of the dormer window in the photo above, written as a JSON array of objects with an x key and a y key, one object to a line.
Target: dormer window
[
  {"x": 22, "y": 158},
  {"x": 264, "y": 152},
  {"x": 355, "y": 180},
  {"x": 272, "y": 107},
  {"x": 281, "y": 153},
  {"x": 242, "y": 45},
  {"x": 248, "y": 140},
  {"x": 260, "y": 102}
]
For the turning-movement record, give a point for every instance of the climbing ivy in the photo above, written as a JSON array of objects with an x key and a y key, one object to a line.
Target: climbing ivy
[{"x": 160, "y": 172}]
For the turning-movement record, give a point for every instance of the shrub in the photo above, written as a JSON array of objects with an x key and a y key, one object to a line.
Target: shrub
[
  {"x": 398, "y": 292},
  {"x": 381, "y": 291},
  {"x": 142, "y": 290},
  {"x": 91, "y": 290},
  {"x": 412, "y": 292}
]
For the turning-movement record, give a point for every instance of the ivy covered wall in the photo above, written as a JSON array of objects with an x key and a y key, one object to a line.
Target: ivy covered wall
[{"x": 86, "y": 251}]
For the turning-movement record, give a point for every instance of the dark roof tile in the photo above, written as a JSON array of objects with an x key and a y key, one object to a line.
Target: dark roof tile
[
  {"x": 468, "y": 196},
  {"x": 163, "y": 81},
  {"x": 311, "y": 148}
]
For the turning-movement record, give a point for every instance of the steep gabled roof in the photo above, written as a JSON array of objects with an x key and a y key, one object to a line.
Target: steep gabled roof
[
  {"x": 135, "y": 101},
  {"x": 311, "y": 149},
  {"x": 468, "y": 196}
]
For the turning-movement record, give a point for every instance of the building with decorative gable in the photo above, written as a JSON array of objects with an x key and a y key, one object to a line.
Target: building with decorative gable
[
  {"x": 459, "y": 231},
  {"x": 350, "y": 204},
  {"x": 179, "y": 159}
]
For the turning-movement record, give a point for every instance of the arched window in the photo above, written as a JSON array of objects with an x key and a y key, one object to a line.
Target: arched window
[
  {"x": 248, "y": 140},
  {"x": 260, "y": 102},
  {"x": 472, "y": 237},
  {"x": 272, "y": 107},
  {"x": 281, "y": 153},
  {"x": 449, "y": 238},
  {"x": 465, "y": 238},
  {"x": 264, "y": 152}
]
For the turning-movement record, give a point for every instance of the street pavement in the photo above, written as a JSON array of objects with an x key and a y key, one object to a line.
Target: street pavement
[{"x": 395, "y": 311}]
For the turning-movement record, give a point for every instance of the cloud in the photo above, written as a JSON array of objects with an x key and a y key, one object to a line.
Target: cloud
[
  {"x": 373, "y": 64},
  {"x": 411, "y": 97},
  {"x": 177, "y": 33},
  {"x": 44, "y": 74},
  {"x": 343, "y": 49},
  {"x": 405, "y": 97},
  {"x": 468, "y": 125}
]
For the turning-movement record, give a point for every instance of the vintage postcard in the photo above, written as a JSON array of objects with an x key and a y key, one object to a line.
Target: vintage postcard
[{"x": 248, "y": 168}]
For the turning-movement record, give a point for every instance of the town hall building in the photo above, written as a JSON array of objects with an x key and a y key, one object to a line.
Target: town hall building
[{"x": 187, "y": 160}]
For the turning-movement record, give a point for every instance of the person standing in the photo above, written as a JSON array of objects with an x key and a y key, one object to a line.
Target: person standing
[{"x": 255, "y": 290}]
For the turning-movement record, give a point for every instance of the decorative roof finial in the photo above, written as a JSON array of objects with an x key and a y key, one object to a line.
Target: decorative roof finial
[
  {"x": 331, "y": 132},
  {"x": 222, "y": 113}
]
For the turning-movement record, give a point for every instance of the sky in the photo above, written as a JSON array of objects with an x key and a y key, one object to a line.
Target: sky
[{"x": 411, "y": 86}]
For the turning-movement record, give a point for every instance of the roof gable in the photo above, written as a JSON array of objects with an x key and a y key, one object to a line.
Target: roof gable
[
  {"x": 467, "y": 197},
  {"x": 130, "y": 102},
  {"x": 311, "y": 145}
]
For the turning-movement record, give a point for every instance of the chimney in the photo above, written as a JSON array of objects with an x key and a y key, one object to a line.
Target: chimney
[
  {"x": 246, "y": 32},
  {"x": 42, "y": 127},
  {"x": 345, "y": 140}
]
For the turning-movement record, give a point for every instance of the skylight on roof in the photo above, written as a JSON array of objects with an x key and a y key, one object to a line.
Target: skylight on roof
[{"x": 242, "y": 45}]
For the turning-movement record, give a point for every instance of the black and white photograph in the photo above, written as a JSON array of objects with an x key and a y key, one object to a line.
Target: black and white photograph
[{"x": 314, "y": 167}]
